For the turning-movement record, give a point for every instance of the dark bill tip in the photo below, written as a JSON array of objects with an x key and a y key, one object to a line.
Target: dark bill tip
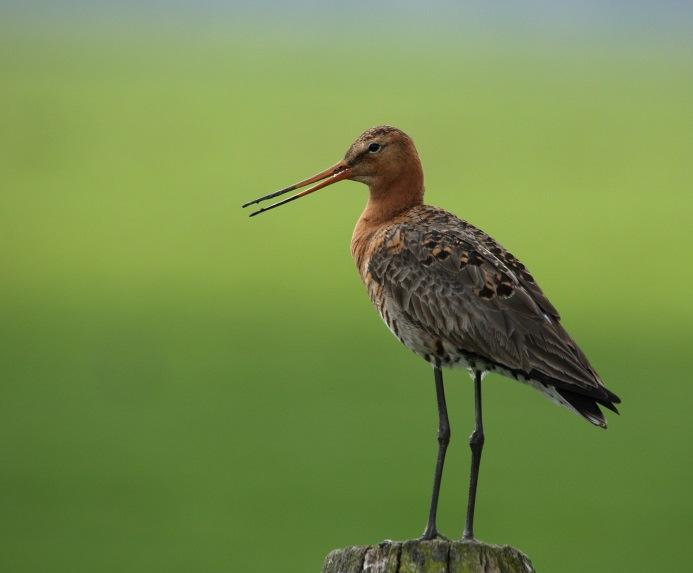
[{"x": 270, "y": 196}]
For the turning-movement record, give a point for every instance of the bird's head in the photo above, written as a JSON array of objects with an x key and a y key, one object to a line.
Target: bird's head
[{"x": 382, "y": 157}]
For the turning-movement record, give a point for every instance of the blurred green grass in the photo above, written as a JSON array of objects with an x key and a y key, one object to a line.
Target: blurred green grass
[{"x": 184, "y": 388}]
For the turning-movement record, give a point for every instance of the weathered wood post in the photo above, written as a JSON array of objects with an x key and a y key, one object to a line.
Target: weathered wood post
[{"x": 437, "y": 556}]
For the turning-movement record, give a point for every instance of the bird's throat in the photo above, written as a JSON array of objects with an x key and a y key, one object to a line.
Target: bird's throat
[
  {"x": 387, "y": 204},
  {"x": 389, "y": 198}
]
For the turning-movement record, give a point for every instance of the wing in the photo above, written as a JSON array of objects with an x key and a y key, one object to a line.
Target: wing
[{"x": 457, "y": 284}]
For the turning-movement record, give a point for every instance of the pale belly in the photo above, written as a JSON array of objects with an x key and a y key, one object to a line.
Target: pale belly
[
  {"x": 434, "y": 349},
  {"x": 443, "y": 353}
]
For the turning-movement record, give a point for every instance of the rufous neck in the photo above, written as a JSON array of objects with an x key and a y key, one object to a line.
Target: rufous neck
[{"x": 387, "y": 199}]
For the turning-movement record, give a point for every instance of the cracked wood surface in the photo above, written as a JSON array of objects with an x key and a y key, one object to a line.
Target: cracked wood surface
[{"x": 438, "y": 556}]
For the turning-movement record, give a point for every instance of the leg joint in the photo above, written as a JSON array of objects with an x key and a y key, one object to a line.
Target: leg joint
[
  {"x": 444, "y": 435},
  {"x": 477, "y": 438}
]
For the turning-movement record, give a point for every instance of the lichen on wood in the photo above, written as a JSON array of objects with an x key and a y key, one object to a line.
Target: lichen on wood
[{"x": 436, "y": 556}]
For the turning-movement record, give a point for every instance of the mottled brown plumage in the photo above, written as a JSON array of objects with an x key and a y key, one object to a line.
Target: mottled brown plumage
[{"x": 453, "y": 295}]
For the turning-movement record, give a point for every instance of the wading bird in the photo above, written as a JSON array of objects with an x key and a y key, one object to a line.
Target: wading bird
[{"x": 453, "y": 295}]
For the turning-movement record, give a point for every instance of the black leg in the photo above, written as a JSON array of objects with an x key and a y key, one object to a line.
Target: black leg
[
  {"x": 476, "y": 443},
  {"x": 443, "y": 441}
]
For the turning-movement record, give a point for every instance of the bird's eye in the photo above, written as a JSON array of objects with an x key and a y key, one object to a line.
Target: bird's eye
[{"x": 374, "y": 148}]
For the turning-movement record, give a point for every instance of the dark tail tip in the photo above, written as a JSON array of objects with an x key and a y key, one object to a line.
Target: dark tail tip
[
  {"x": 587, "y": 407},
  {"x": 612, "y": 397}
]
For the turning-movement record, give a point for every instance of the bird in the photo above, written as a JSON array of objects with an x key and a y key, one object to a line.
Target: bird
[{"x": 453, "y": 295}]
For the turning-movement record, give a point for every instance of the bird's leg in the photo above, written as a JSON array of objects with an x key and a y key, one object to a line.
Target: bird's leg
[
  {"x": 443, "y": 440},
  {"x": 476, "y": 443}
]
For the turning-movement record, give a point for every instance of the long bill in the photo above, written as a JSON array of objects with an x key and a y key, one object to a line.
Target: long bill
[{"x": 335, "y": 173}]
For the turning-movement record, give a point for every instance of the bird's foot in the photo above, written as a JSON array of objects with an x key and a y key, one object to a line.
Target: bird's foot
[{"x": 430, "y": 534}]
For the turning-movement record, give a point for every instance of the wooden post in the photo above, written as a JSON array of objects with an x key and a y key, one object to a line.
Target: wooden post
[{"x": 437, "y": 556}]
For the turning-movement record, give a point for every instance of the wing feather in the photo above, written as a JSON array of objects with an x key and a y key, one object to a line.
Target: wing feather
[{"x": 457, "y": 284}]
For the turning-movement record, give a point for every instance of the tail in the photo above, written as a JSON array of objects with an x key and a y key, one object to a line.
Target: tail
[{"x": 588, "y": 406}]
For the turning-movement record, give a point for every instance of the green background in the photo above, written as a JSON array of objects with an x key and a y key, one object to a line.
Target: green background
[{"x": 186, "y": 389}]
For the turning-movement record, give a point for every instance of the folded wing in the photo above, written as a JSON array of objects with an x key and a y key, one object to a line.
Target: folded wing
[{"x": 458, "y": 284}]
